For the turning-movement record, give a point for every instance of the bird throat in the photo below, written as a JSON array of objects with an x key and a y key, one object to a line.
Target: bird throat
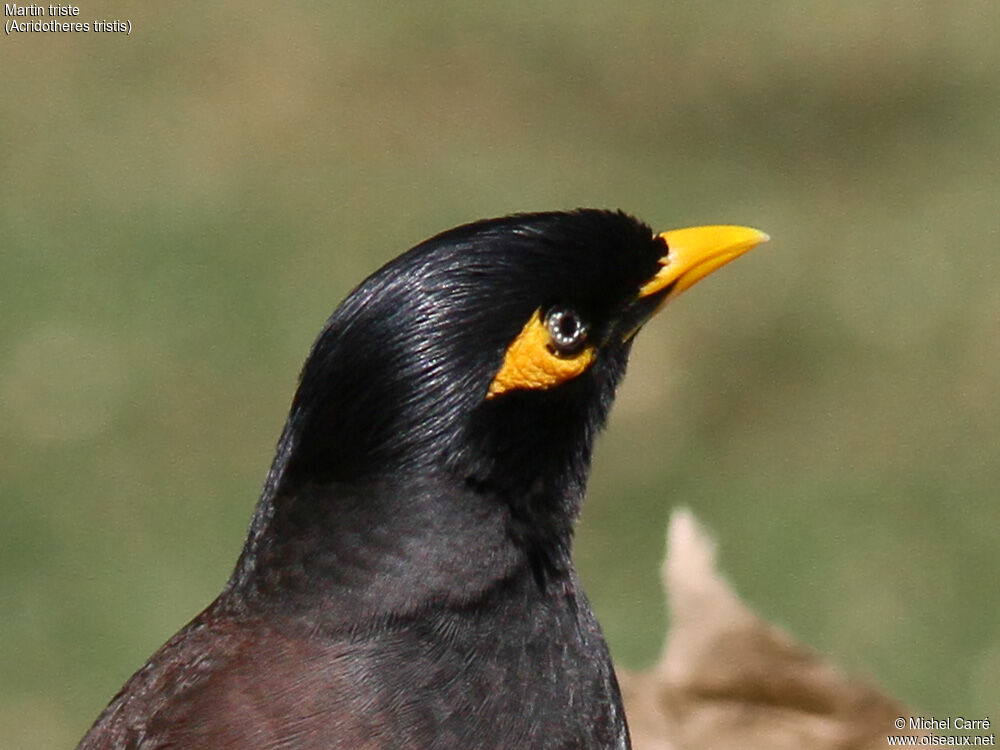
[{"x": 361, "y": 552}]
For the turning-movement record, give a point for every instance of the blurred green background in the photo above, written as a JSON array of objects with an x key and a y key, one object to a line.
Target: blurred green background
[{"x": 180, "y": 210}]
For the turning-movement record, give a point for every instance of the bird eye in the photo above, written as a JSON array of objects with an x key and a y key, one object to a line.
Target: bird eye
[
  {"x": 566, "y": 329},
  {"x": 551, "y": 349}
]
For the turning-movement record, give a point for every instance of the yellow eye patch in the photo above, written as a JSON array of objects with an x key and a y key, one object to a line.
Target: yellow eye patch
[{"x": 531, "y": 362}]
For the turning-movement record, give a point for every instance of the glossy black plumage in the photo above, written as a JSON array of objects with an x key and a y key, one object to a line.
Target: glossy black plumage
[{"x": 407, "y": 579}]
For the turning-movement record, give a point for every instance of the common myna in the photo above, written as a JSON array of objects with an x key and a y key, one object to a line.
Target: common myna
[{"x": 407, "y": 581}]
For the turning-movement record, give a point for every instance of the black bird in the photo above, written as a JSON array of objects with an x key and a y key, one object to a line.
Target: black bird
[{"x": 407, "y": 580}]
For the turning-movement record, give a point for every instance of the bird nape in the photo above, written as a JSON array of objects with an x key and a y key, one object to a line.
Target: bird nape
[{"x": 407, "y": 578}]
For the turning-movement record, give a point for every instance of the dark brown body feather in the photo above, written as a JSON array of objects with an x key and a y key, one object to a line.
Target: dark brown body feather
[{"x": 450, "y": 680}]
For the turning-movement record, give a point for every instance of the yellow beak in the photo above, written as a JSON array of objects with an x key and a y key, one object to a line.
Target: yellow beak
[{"x": 693, "y": 253}]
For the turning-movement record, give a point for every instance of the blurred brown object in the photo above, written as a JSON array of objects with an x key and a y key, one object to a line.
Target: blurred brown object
[{"x": 727, "y": 679}]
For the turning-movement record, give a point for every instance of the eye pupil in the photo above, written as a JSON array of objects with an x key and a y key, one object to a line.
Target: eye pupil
[
  {"x": 568, "y": 325},
  {"x": 566, "y": 329}
]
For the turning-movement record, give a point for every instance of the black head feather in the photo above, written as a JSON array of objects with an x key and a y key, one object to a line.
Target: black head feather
[
  {"x": 396, "y": 381},
  {"x": 395, "y": 386}
]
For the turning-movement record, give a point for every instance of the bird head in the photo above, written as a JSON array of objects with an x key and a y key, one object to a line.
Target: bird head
[{"x": 489, "y": 354}]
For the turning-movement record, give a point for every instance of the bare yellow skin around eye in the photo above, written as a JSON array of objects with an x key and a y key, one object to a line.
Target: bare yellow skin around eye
[{"x": 529, "y": 362}]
